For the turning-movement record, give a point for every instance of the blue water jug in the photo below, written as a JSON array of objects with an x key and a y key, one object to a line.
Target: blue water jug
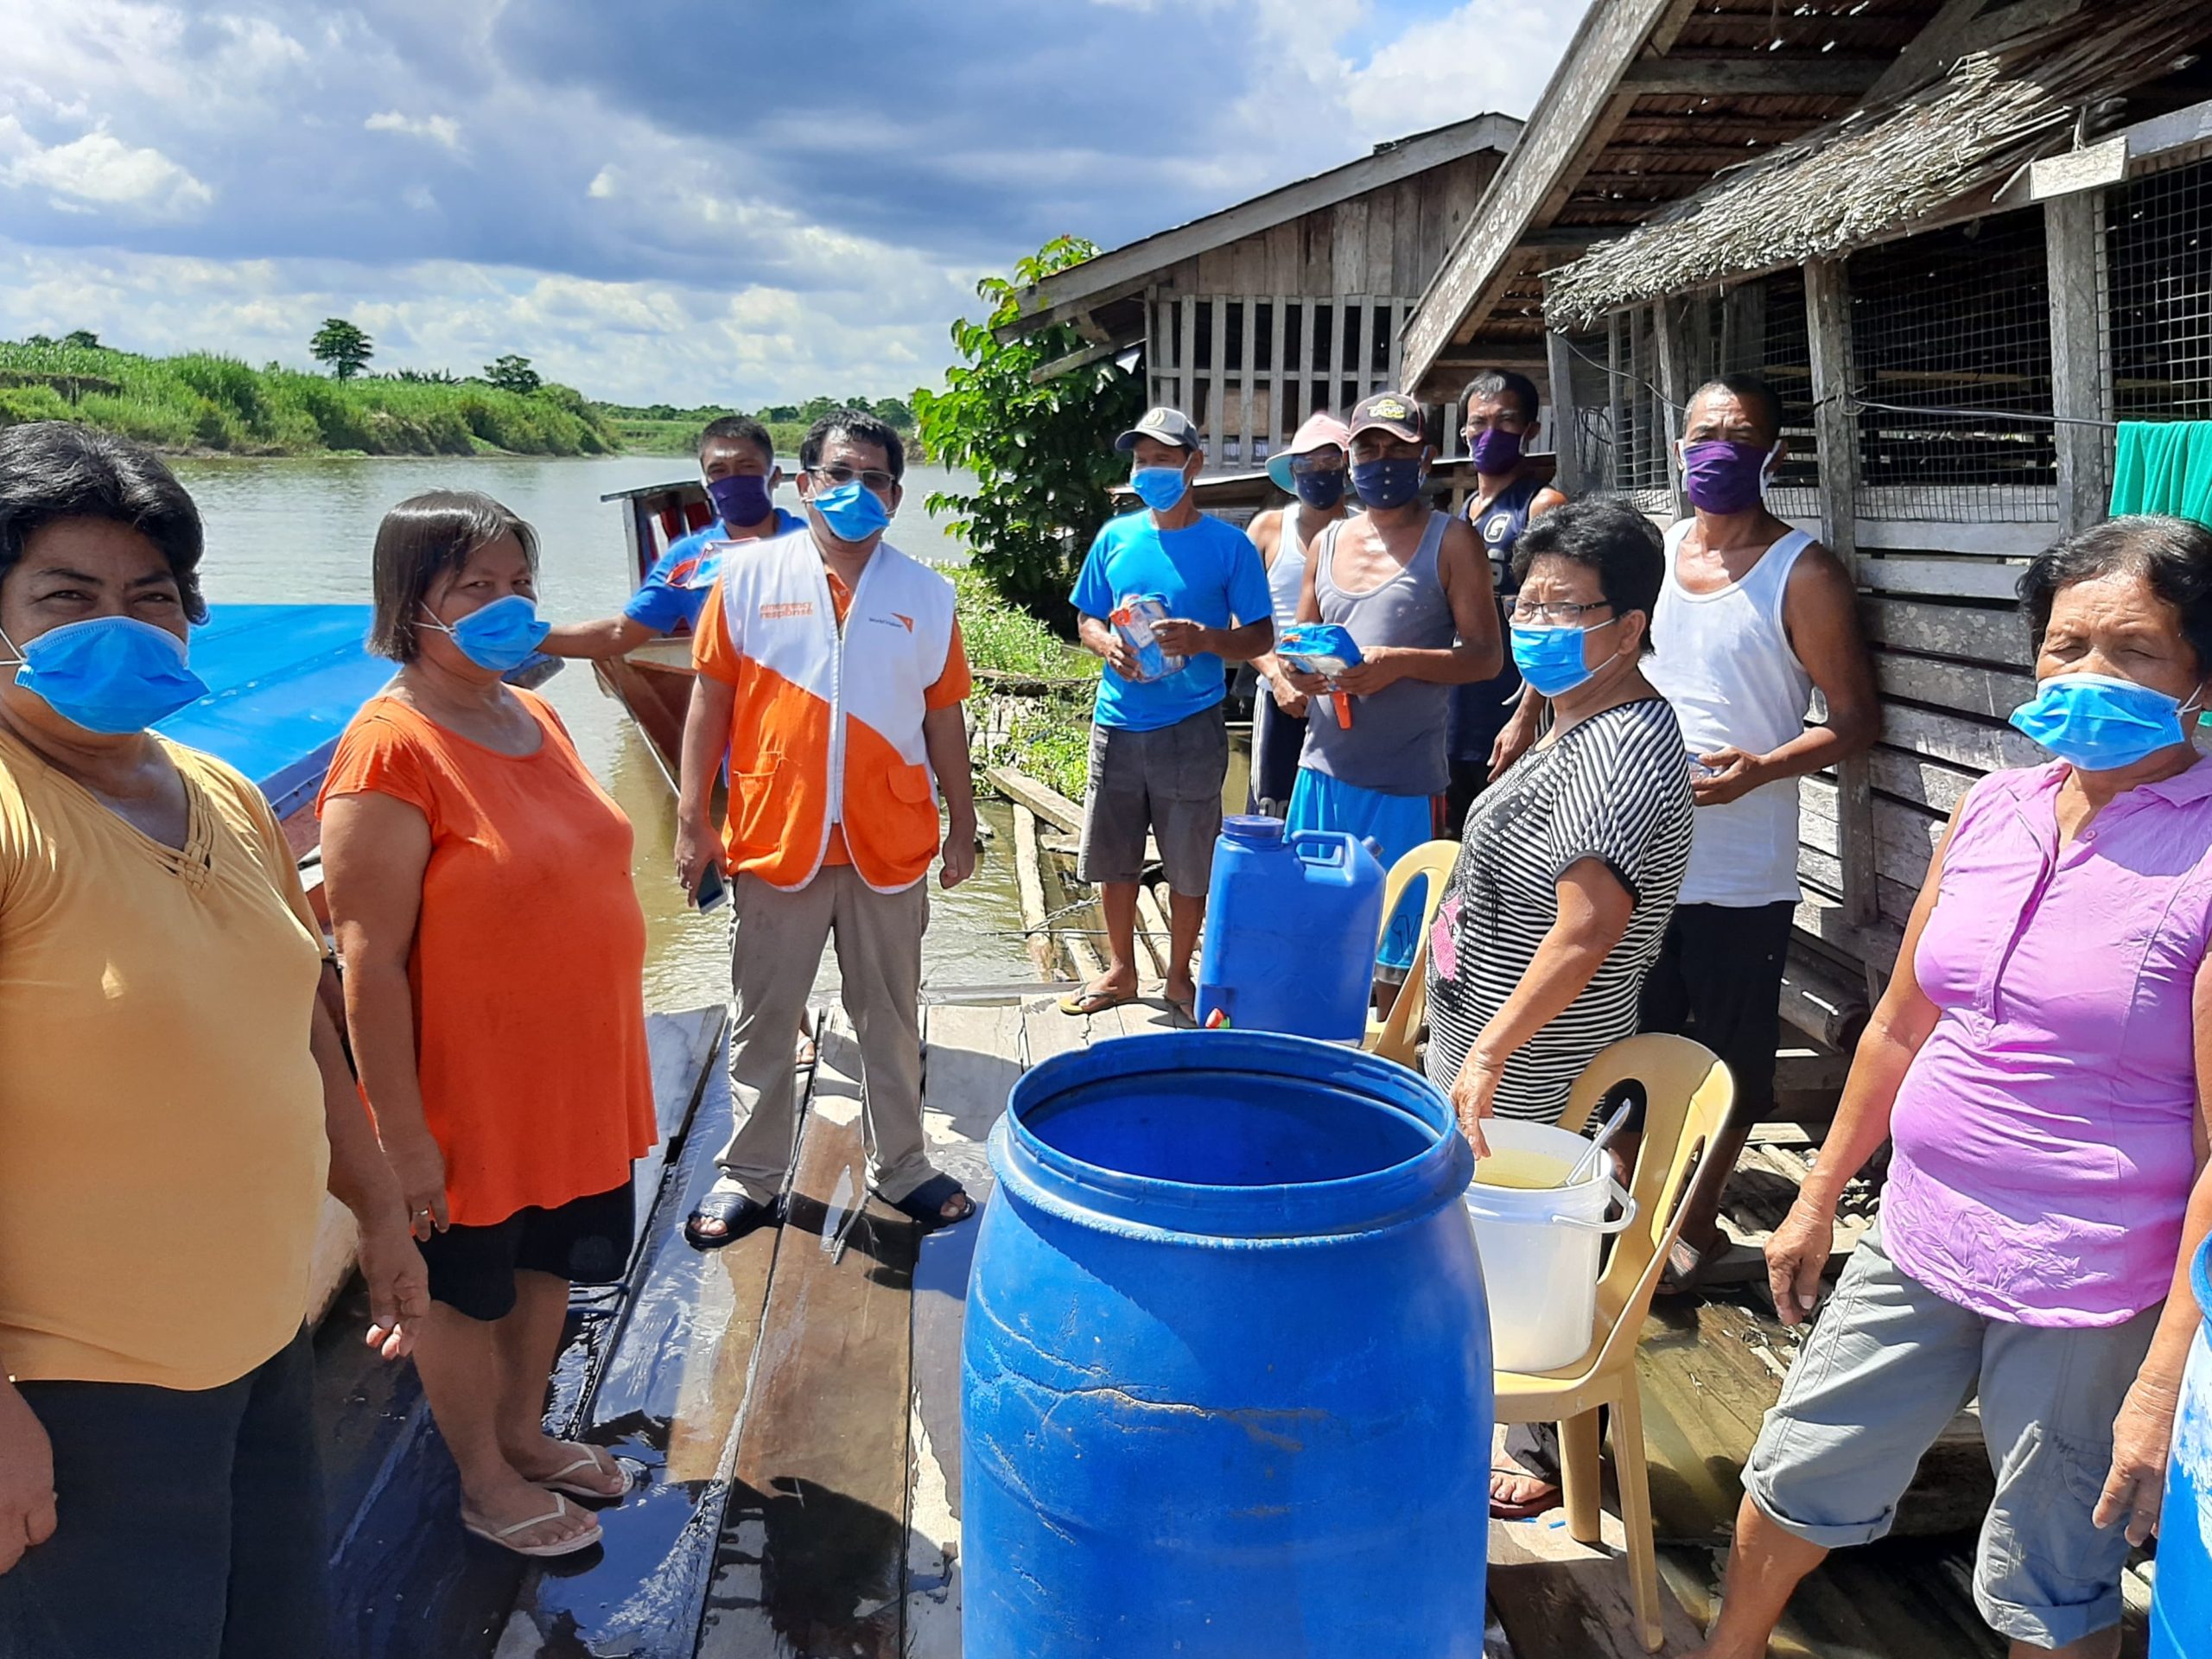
[
  {"x": 1291, "y": 927},
  {"x": 1226, "y": 1370},
  {"x": 2181, "y": 1596}
]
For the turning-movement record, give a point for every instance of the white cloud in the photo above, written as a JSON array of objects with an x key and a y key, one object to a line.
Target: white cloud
[
  {"x": 438, "y": 129},
  {"x": 99, "y": 170}
]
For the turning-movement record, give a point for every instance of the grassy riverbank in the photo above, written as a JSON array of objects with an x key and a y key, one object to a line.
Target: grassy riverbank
[
  {"x": 1033, "y": 690},
  {"x": 203, "y": 402}
]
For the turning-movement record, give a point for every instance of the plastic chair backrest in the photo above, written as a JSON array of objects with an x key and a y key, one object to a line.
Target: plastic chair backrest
[
  {"x": 1687, "y": 1092},
  {"x": 1433, "y": 858}
]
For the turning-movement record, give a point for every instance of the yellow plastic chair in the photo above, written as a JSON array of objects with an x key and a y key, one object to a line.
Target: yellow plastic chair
[
  {"x": 1393, "y": 1037},
  {"x": 1687, "y": 1092}
]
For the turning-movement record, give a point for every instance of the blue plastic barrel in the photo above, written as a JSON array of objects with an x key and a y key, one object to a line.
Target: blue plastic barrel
[
  {"x": 2181, "y": 1596},
  {"x": 1226, "y": 1375},
  {"x": 1291, "y": 927}
]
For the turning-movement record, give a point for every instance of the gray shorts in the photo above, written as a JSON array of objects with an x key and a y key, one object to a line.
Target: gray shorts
[
  {"x": 1167, "y": 781},
  {"x": 1888, "y": 1365}
]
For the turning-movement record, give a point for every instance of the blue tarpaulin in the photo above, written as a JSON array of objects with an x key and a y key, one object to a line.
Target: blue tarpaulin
[{"x": 283, "y": 680}]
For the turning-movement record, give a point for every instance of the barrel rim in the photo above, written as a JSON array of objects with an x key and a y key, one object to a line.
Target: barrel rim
[{"x": 1412, "y": 1188}]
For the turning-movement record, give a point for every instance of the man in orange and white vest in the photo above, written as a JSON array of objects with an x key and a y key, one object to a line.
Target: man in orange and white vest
[{"x": 830, "y": 671}]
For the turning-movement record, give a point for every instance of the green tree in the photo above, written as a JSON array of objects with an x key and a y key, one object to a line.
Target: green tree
[
  {"x": 513, "y": 373},
  {"x": 895, "y": 412},
  {"x": 83, "y": 339},
  {"x": 1042, "y": 454},
  {"x": 343, "y": 347}
]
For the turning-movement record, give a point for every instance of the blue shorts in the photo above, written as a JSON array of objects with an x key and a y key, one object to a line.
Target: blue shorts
[{"x": 1398, "y": 823}]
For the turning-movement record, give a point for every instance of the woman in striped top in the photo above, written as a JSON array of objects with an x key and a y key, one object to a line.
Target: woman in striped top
[{"x": 1571, "y": 861}]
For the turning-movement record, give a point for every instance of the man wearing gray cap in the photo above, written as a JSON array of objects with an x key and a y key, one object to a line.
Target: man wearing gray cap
[{"x": 1159, "y": 746}]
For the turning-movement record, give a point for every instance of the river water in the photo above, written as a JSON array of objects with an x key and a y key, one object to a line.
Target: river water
[{"x": 294, "y": 532}]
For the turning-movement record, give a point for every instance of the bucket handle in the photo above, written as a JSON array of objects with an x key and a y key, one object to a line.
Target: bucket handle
[{"x": 1620, "y": 1194}]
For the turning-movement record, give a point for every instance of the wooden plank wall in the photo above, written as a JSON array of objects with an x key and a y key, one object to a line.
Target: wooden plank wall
[{"x": 1251, "y": 337}]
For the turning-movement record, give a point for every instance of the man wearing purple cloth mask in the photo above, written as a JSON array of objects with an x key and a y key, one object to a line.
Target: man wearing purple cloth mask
[
  {"x": 1499, "y": 426},
  {"x": 737, "y": 463},
  {"x": 1752, "y": 616}
]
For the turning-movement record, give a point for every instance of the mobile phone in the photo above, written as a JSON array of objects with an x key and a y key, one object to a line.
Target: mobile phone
[{"x": 712, "y": 892}]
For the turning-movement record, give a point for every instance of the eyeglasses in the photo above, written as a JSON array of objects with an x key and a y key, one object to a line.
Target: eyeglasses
[
  {"x": 836, "y": 477},
  {"x": 1529, "y": 611},
  {"x": 1331, "y": 462}
]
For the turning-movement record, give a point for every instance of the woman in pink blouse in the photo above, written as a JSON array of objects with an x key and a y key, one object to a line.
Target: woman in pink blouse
[{"x": 2042, "y": 1059}]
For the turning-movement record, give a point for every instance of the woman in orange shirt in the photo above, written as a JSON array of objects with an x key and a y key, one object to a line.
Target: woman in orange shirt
[{"x": 494, "y": 950}]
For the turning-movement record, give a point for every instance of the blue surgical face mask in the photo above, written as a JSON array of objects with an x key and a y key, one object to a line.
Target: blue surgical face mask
[
  {"x": 114, "y": 675},
  {"x": 741, "y": 499},
  {"x": 851, "y": 510},
  {"x": 1550, "y": 660},
  {"x": 504, "y": 635},
  {"x": 2100, "y": 723},
  {"x": 1160, "y": 488},
  {"x": 1390, "y": 482}
]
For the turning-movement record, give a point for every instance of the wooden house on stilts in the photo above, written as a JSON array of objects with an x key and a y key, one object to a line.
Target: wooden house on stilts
[
  {"x": 1961, "y": 237},
  {"x": 1252, "y": 318}
]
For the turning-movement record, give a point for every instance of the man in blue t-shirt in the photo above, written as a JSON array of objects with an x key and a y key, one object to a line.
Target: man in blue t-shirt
[
  {"x": 1159, "y": 747},
  {"x": 737, "y": 460}
]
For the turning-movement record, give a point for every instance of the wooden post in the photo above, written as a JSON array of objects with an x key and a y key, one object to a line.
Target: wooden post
[
  {"x": 2079, "y": 379},
  {"x": 1280, "y": 426},
  {"x": 1827, "y": 322},
  {"x": 1187, "y": 380},
  {"x": 1246, "y": 372},
  {"x": 1617, "y": 450},
  {"x": 1673, "y": 390},
  {"x": 1561, "y": 372}
]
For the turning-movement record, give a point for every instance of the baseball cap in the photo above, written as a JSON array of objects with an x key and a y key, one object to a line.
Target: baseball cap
[
  {"x": 1392, "y": 412},
  {"x": 1162, "y": 425}
]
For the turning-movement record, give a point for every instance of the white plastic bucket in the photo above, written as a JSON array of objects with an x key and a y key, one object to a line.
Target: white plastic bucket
[{"x": 1540, "y": 1249}]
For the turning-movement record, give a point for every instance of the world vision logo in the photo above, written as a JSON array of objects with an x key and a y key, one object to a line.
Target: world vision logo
[
  {"x": 794, "y": 607},
  {"x": 908, "y": 620}
]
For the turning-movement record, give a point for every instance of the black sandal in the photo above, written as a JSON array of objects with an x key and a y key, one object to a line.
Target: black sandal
[
  {"x": 926, "y": 1204},
  {"x": 729, "y": 1203}
]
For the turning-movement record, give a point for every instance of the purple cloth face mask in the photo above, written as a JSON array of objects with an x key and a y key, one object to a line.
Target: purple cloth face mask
[
  {"x": 1722, "y": 477},
  {"x": 1494, "y": 450}
]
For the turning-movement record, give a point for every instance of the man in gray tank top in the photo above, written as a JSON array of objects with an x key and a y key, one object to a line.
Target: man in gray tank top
[{"x": 1411, "y": 587}]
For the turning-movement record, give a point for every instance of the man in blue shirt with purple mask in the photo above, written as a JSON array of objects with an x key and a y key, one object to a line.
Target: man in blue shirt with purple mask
[{"x": 737, "y": 461}]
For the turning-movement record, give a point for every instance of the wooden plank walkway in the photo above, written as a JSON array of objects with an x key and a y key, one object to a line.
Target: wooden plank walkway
[{"x": 789, "y": 1407}]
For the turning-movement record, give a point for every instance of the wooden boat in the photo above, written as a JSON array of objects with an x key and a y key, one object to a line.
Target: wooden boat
[{"x": 653, "y": 683}]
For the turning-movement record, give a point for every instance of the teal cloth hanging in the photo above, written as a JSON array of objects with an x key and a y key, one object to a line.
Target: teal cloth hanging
[{"x": 2165, "y": 466}]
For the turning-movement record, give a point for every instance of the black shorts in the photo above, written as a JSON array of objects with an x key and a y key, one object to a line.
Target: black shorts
[{"x": 585, "y": 1241}]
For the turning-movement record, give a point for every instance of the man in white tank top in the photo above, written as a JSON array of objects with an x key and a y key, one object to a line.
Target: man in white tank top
[
  {"x": 1754, "y": 616},
  {"x": 1315, "y": 472}
]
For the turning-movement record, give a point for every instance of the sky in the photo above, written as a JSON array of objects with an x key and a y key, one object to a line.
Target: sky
[{"x": 687, "y": 201}]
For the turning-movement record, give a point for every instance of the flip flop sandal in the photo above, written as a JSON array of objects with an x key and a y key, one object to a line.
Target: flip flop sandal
[
  {"x": 600, "y": 1463},
  {"x": 1528, "y": 1509},
  {"x": 503, "y": 1536},
  {"x": 729, "y": 1203},
  {"x": 1088, "y": 1002},
  {"x": 926, "y": 1204}
]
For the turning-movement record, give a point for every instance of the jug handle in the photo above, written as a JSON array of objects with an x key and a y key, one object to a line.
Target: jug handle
[
  {"x": 1328, "y": 845},
  {"x": 1618, "y": 1224}
]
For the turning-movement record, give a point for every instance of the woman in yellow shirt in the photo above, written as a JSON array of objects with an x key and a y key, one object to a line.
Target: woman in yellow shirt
[{"x": 161, "y": 1023}]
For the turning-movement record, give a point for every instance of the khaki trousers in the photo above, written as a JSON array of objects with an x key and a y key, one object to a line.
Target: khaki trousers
[{"x": 776, "y": 941}]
